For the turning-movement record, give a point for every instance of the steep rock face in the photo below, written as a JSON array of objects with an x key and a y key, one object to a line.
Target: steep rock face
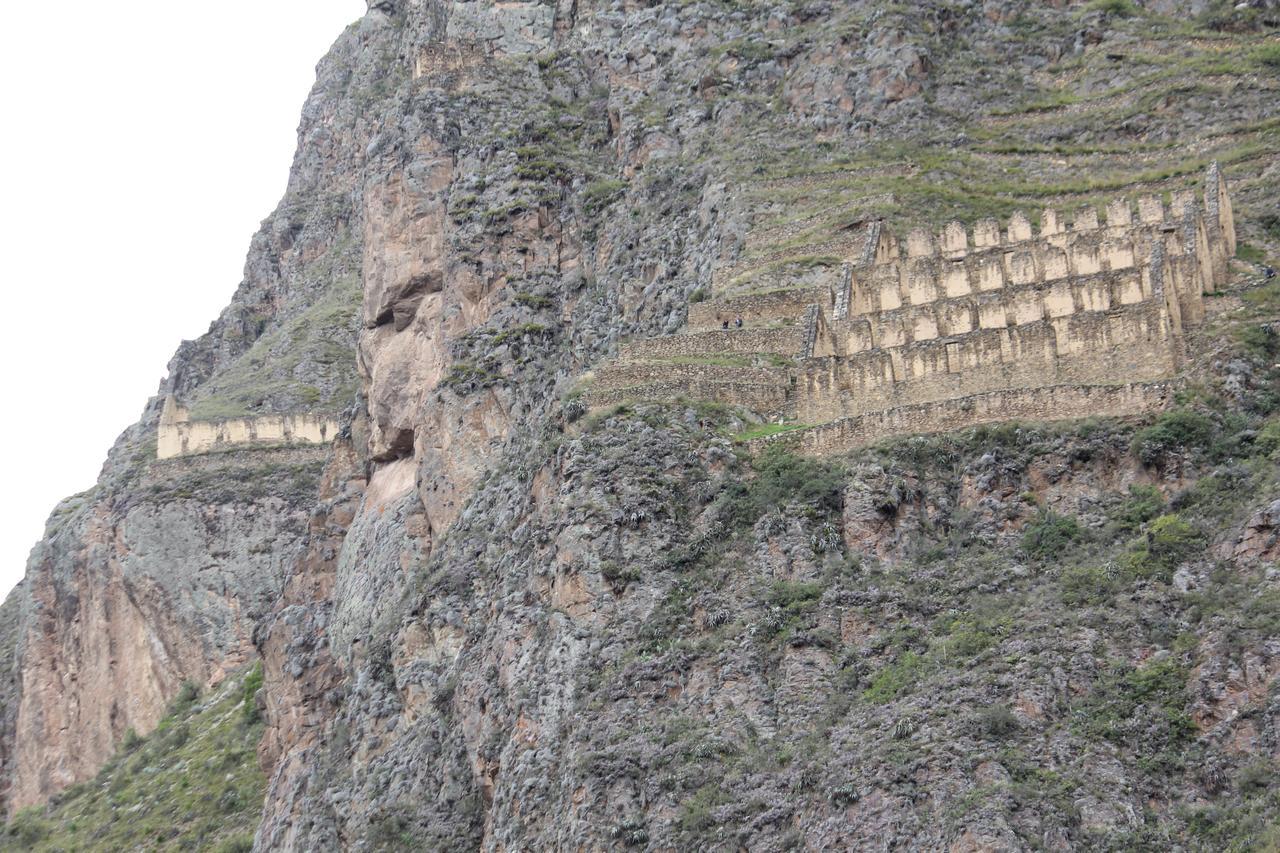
[
  {"x": 447, "y": 695},
  {"x": 12, "y": 620},
  {"x": 129, "y": 597},
  {"x": 468, "y": 631},
  {"x": 640, "y": 642},
  {"x": 486, "y": 625},
  {"x": 300, "y": 674}
]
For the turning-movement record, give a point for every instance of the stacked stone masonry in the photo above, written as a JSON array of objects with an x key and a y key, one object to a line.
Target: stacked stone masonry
[
  {"x": 1062, "y": 402},
  {"x": 178, "y": 435},
  {"x": 942, "y": 330}
]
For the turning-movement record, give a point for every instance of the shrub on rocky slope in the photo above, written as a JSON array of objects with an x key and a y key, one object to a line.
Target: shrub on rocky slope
[{"x": 193, "y": 784}]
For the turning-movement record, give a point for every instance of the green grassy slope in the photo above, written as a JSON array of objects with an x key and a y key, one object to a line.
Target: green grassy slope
[
  {"x": 1145, "y": 114},
  {"x": 194, "y": 784}
]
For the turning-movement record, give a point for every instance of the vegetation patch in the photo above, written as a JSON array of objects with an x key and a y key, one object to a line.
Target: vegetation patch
[
  {"x": 1119, "y": 8},
  {"x": 1143, "y": 504},
  {"x": 1250, "y": 253},
  {"x": 1139, "y": 708},
  {"x": 1049, "y": 536},
  {"x": 1268, "y": 56},
  {"x": 1168, "y": 542},
  {"x": 534, "y": 301},
  {"x": 783, "y": 479},
  {"x": 599, "y": 195},
  {"x": 1090, "y": 584},
  {"x": 465, "y": 378},
  {"x": 1181, "y": 429},
  {"x": 895, "y": 679},
  {"x": 193, "y": 784}
]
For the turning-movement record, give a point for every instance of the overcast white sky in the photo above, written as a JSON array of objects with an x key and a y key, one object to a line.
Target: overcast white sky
[{"x": 141, "y": 145}]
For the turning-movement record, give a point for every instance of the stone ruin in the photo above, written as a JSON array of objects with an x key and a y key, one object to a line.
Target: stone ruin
[
  {"x": 958, "y": 328},
  {"x": 178, "y": 435}
]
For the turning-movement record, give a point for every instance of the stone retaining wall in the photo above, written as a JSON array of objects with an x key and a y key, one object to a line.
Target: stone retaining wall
[
  {"x": 755, "y": 309},
  {"x": 1027, "y": 404},
  {"x": 1055, "y": 266},
  {"x": 786, "y": 341},
  {"x": 912, "y": 334},
  {"x": 629, "y": 374},
  {"x": 1094, "y": 348},
  {"x": 993, "y": 309},
  {"x": 765, "y": 400}
]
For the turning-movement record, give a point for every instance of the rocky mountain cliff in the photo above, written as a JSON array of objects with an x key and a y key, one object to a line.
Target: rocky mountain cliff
[{"x": 488, "y": 621}]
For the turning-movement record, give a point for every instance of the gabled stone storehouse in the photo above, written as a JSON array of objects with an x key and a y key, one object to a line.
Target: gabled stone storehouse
[
  {"x": 939, "y": 331},
  {"x": 178, "y": 435}
]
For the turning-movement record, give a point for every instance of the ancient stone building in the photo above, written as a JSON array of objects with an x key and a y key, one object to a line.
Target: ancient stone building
[
  {"x": 939, "y": 331},
  {"x": 178, "y": 435}
]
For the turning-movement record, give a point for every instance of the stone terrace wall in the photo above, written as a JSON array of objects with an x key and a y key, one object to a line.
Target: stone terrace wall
[
  {"x": 179, "y": 436},
  {"x": 756, "y": 309},
  {"x": 958, "y": 314},
  {"x": 998, "y": 308},
  {"x": 631, "y": 374},
  {"x": 766, "y": 400},
  {"x": 784, "y": 341},
  {"x": 1026, "y": 404},
  {"x": 948, "y": 266}
]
